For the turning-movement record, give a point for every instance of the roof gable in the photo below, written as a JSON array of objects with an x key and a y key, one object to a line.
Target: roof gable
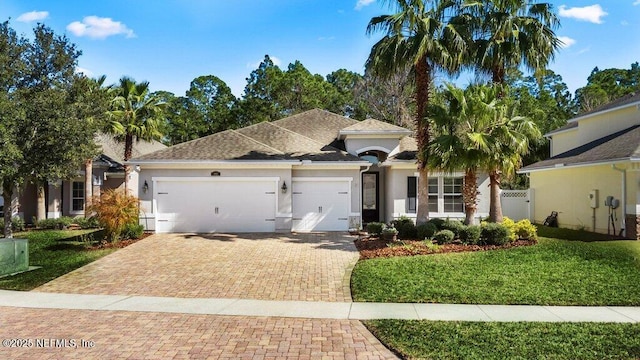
[
  {"x": 622, "y": 145},
  {"x": 114, "y": 149},
  {"x": 319, "y": 125}
]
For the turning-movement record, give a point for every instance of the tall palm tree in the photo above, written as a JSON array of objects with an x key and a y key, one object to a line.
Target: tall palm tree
[
  {"x": 95, "y": 86},
  {"x": 510, "y": 138},
  {"x": 506, "y": 35},
  {"x": 511, "y": 33},
  {"x": 135, "y": 115},
  {"x": 417, "y": 36},
  {"x": 461, "y": 120}
]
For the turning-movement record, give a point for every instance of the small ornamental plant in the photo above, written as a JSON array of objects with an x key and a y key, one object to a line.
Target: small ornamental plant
[{"x": 115, "y": 211}]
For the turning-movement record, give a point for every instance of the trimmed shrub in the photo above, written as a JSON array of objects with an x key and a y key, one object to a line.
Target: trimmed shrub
[
  {"x": 17, "y": 224},
  {"x": 407, "y": 230},
  {"x": 115, "y": 210},
  {"x": 494, "y": 234},
  {"x": 375, "y": 228},
  {"x": 524, "y": 229},
  {"x": 452, "y": 225},
  {"x": 444, "y": 236},
  {"x": 59, "y": 223},
  {"x": 87, "y": 223},
  {"x": 511, "y": 225},
  {"x": 426, "y": 230},
  {"x": 437, "y": 222},
  {"x": 132, "y": 231},
  {"x": 470, "y": 234}
]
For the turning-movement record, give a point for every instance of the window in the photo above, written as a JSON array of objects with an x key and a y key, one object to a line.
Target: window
[
  {"x": 77, "y": 196},
  {"x": 412, "y": 194},
  {"x": 452, "y": 193},
  {"x": 433, "y": 194}
]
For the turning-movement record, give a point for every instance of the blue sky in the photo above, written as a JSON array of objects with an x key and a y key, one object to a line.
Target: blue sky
[{"x": 171, "y": 42}]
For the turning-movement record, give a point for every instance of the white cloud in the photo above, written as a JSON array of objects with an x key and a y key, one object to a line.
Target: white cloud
[
  {"x": 566, "y": 41},
  {"x": 636, "y": 3},
  {"x": 99, "y": 28},
  {"x": 585, "y": 50},
  {"x": 362, "y": 3},
  {"x": 33, "y": 16},
  {"x": 592, "y": 13},
  {"x": 86, "y": 72}
]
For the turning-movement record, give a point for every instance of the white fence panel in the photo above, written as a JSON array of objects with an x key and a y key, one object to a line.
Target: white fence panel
[{"x": 517, "y": 204}]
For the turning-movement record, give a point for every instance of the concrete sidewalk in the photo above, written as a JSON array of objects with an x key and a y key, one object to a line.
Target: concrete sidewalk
[{"x": 322, "y": 310}]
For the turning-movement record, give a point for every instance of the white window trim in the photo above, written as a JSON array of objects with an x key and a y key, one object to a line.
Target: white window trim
[
  {"x": 441, "y": 179},
  {"x": 71, "y": 211},
  {"x": 440, "y": 196}
]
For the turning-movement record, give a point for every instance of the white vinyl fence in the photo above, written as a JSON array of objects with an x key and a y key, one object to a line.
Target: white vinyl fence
[{"x": 517, "y": 204}]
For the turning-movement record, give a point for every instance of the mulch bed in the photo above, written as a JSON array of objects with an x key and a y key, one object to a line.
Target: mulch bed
[
  {"x": 118, "y": 244},
  {"x": 374, "y": 247}
]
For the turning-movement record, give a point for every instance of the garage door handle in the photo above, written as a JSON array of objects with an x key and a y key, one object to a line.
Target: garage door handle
[
  {"x": 343, "y": 218},
  {"x": 269, "y": 219},
  {"x": 343, "y": 192},
  {"x": 163, "y": 193},
  {"x": 216, "y": 210},
  {"x": 320, "y": 209},
  {"x": 296, "y": 219},
  {"x": 296, "y": 193}
]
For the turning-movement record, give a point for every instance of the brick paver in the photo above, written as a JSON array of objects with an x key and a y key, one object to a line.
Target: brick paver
[
  {"x": 306, "y": 267},
  {"x": 135, "y": 335}
]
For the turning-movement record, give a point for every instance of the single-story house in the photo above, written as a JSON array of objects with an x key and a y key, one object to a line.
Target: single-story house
[
  {"x": 66, "y": 198},
  {"x": 314, "y": 171},
  {"x": 594, "y": 163}
]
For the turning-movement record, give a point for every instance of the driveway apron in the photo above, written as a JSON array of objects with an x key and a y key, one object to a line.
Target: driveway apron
[{"x": 304, "y": 267}]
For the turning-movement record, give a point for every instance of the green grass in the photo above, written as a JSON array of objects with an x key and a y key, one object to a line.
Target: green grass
[
  {"x": 469, "y": 340},
  {"x": 57, "y": 252},
  {"x": 554, "y": 272},
  {"x": 571, "y": 234}
]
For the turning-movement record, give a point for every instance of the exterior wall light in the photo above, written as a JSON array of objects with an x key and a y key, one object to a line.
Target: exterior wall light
[
  {"x": 145, "y": 187},
  {"x": 284, "y": 187}
]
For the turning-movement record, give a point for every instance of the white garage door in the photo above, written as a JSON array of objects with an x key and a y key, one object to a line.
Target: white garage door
[
  {"x": 215, "y": 205},
  {"x": 320, "y": 204}
]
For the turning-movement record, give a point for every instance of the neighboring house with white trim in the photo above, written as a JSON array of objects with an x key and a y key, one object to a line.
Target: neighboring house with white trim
[
  {"x": 66, "y": 198},
  {"x": 314, "y": 171},
  {"x": 594, "y": 156}
]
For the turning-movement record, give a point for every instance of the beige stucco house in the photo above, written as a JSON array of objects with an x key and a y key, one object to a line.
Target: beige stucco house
[
  {"x": 314, "y": 171},
  {"x": 66, "y": 198},
  {"x": 595, "y": 156}
]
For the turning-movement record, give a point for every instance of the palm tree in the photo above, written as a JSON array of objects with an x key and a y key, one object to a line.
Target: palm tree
[
  {"x": 461, "y": 119},
  {"x": 135, "y": 115},
  {"x": 94, "y": 87},
  {"x": 506, "y": 35},
  {"x": 511, "y": 33},
  {"x": 418, "y": 37},
  {"x": 508, "y": 140}
]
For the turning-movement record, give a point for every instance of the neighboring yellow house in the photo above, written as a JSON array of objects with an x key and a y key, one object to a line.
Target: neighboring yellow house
[{"x": 595, "y": 157}]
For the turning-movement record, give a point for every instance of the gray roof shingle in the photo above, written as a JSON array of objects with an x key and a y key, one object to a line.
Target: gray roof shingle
[
  {"x": 114, "y": 149},
  {"x": 306, "y": 136},
  {"x": 622, "y": 145},
  {"x": 374, "y": 125},
  {"x": 625, "y": 100}
]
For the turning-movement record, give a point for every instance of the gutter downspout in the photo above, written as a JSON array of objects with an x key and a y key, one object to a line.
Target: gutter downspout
[
  {"x": 360, "y": 194},
  {"x": 623, "y": 200}
]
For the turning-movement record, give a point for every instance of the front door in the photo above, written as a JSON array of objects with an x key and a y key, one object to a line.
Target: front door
[{"x": 370, "y": 197}]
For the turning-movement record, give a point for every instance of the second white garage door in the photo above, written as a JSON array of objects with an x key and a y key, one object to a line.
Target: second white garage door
[
  {"x": 320, "y": 204},
  {"x": 215, "y": 205}
]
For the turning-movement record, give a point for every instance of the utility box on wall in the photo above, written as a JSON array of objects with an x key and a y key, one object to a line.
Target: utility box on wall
[
  {"x": 14, "y": 256},
  {"x": 593, "y": 199}
]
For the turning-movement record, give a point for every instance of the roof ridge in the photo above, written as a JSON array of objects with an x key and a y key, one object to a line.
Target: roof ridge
[
  {"x": 293, "y": 132},
  {"x": 257, "y": 142}
]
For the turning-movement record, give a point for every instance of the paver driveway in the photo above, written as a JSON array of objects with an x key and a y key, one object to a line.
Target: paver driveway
[
  {"x": 136, "y": 335},
  {"x": 306, "y": 267}
]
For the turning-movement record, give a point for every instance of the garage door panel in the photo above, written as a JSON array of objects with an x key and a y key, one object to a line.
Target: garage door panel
[
  {"x": 215, "y": 206},
  {"x": 321, "y": 205}
]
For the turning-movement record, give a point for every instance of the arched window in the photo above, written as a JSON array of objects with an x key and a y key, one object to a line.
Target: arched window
[{"x": 373, "y": 156}]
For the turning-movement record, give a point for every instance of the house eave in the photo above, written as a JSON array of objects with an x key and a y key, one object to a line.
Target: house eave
[
  {"x": 633, "y": 104},
  {"x": 391, "y": 134},
  {"x": 577, "y": 165},
  {"x": 552, "y": 133}
]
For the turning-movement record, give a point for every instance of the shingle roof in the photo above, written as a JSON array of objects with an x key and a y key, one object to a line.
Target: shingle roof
[
  {"x": 625, "y": 100},
  {"x": 307, "y": 136},
  {"x": 408, "y": 149},
  {"x": 568, "y": 126},
  {"x": 374, "y": 125},
  {"x": 114, "y": 149},
  {"x": 622, "y": 145},
  {"x": 319, "y": 125}
]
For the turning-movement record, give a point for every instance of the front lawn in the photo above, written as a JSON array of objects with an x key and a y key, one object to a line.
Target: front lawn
[
  {"x": 57, "y": 252},
  {"x": 475, "y": 340},
  {"x": 554, "y": 272}
]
